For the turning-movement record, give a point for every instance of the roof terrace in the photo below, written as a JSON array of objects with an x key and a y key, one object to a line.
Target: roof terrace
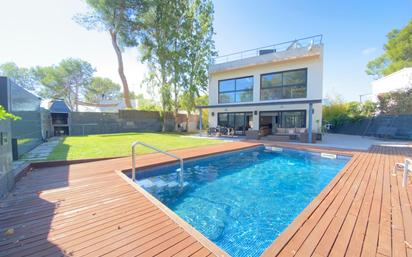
[{"x": 302, "y": 47}]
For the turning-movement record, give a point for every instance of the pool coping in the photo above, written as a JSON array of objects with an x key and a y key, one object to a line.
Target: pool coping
[{"x": 202, "y": 238}]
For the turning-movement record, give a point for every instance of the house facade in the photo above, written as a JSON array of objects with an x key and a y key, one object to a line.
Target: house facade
[
  {"x": 401, "y": 79},
  {"x": 279, "y": 86}
]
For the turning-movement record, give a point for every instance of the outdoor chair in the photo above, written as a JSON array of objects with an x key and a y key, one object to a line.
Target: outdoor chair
[
  {"x": 224, "y": 131},
  {"x": 406, "y": 167},
  {"x": 212, "y": 131}
]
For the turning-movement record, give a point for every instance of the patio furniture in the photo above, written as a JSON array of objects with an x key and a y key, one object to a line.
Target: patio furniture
[
  {"x": 212, "y": 131},
  {"x": 304, "y": 138},
  {"x": 264, "y": 131},
  {"x": 224, "y": 131},
  {"x": 289, "y": 134},
  {"x": 294, "y": 134},
  {"x": 280, "y": 138},
  {"x": 406, "y": 167},
  {"x": 220, "y": 131},
  {"x": 252, "y": 134}
]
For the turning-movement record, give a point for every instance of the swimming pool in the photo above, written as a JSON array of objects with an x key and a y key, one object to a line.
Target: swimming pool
[{"x": 243, "y": 200}]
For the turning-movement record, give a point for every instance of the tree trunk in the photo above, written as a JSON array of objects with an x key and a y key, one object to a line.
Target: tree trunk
[
  {"x": 76, "y": 99},
  {"x": 176, "y": 105},
  {"x": 187, "y": 121},
  {"x": 126, "y": 93},
  {"x": 164, "y": 122}
]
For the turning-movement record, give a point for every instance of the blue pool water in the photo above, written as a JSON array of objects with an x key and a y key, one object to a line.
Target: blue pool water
[{"x": 243, "y": 200}]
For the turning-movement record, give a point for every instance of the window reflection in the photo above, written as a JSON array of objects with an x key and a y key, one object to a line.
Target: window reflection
[
  {"x": 236, "y": 90},
  {"x": 284, "y": 85}
]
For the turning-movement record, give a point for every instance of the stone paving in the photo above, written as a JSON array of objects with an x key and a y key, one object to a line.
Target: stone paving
[
  {"x": 42, "y": 151},
  {"x": 39, "y": 153}
]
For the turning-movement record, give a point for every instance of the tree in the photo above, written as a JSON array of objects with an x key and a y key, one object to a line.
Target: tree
[
  {"x": 177, "y": 45},
  {"x": 145, "y": 104},
  {"x": 24, "y": 77},
  {"x": 189, "y": 104},
  {"x": 121, "y": 20},
  {"x": 68, "y": 80},
  {"x": 197, "y": 42},
  {"x": 398, "y": 53},
  {"x": 338, "y": 112},
  {"x": 4, "y": 115},
  {"x": 101, "y": 89},
  {"x": 369, "y": 109},
  {"x": 396, "y": 102},
  {"x": 158, "y": 40}
]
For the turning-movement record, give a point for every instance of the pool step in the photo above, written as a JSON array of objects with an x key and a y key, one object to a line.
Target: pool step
[
  {"x": 328, "y": 155},
  {"x": 159, "y": 183}
]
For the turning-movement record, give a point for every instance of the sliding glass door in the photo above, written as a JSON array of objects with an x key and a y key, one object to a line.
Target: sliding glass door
[
  {"x": 282, "y": 119},
  {"x": 239, "y": 121}
]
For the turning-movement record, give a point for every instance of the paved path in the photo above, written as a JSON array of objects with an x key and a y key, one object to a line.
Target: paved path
[
  {"x": 39, "y": 153},
  {"x": 42, "y": 151}
]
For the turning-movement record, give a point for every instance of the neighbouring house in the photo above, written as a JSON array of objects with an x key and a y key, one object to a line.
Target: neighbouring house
[
  {"x": 31, "y": 129},
  {"x": 400, "y": 79},
  {"x": 269, "y": 88},
  {"x": 105, "y": 106}
]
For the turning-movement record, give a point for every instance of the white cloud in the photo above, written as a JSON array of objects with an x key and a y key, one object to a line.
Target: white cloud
[{"x": 369, "y": 50}]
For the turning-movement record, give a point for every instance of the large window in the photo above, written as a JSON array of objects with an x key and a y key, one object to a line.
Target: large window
[
  {"x": 239, "y": 121},
  {"x": 293, "y": 119},
  {"x": 236, "y": 90},
  {"x": 283, "y": 85},
  {"x": 283, "y": 119}
]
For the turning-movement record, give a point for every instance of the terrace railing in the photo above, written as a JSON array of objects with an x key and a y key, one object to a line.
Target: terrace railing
[
  {"x": 180, "y": 171},
  {"x": 307, "y": 42}
]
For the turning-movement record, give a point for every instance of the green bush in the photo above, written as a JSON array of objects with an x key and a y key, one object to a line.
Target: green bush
[
  {"x": 338, "y": 112},
  {"x": 396, "y": 102}
]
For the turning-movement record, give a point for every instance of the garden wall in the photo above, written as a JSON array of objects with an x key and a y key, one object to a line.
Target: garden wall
[
  {"x": 87, "y": 123},
  {"x": 386, "y": 126},
  {"x": 27, "y": 131},
  {"x": 6, "y": 175}
]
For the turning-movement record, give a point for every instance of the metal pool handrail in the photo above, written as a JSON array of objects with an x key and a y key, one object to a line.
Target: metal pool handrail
[{"x": 157, "y": 150}]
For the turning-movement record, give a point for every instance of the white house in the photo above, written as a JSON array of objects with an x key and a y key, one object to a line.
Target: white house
[
  {"x": 401, "y": 79},
  {"x": 278, "y": 86}
]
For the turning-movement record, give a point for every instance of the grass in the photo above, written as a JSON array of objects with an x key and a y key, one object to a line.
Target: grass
[{"x": 113, "y": 145}]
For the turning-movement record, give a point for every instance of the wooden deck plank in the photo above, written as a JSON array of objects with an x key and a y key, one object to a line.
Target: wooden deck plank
[
  {"x": 155, "y": 250},
  {"x": 370, "y": 244},
  {"x": 352, "y": 204},
  {"x": 344, "y": 236},
  {"x": 405, "y": 210},
  {"x": 342, "y": 200},
  {"x": 385, "y": 229},
  {"x": 177, "y": 247},
  {"x": 192, "y": 249}
]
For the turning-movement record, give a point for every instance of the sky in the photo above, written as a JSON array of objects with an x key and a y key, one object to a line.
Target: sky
[{"x": 43, "y": 33}]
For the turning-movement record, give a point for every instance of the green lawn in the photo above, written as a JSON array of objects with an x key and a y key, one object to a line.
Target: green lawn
[{"x": 110, "y": 145}]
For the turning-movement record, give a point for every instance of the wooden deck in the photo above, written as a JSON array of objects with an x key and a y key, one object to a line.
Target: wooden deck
[
  {"x": 89, "y": 209},
  {"x": 364, "y": 211}
]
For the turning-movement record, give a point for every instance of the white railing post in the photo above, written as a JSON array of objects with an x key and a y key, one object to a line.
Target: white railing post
[
  {"x": 408, "y": 165},
  {"x": 180, "y": 173}
]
